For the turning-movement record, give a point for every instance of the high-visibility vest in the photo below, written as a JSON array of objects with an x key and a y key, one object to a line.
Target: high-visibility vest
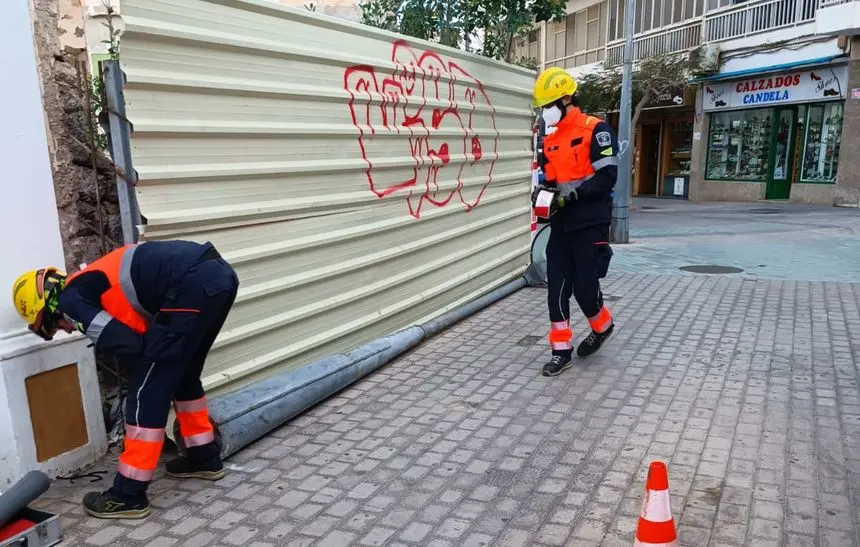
[
  {"x": 568, "y": 149},
  {"x": 120, "y": 300}
]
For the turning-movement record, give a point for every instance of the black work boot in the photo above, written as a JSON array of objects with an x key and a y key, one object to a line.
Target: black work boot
[
  {"x": 556, "y": 365},
  {"x": 110, "y": 505},
  {"x": 594, "y": 342},
  {"x": 186, "y": 468}
]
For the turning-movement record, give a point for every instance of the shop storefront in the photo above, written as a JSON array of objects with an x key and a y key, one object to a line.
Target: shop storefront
[
  {"x": 663, "y": 143},
  {"x": 775, "y": 133}
]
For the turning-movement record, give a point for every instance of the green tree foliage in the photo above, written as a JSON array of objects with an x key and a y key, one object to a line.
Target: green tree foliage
[
  {"x": 600, "y": 90},
  {"x": 486, "y": 27}
]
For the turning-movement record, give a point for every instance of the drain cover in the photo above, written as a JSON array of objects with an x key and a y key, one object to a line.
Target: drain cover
[
  {"x": 529, "y": 340},
  {"x": 611, "y": 297},
  {"x": 648, "y": 208},
  {"x": 765, "y": 211},
  {"x": 711, "y": 269}
]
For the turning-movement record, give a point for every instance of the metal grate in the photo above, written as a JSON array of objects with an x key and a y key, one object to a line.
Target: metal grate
[
  {"x": 529, "y": 340},
  {"x": 711, "y": 269}
]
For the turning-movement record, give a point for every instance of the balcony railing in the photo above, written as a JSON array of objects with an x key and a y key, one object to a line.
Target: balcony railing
[
  {"x": 728, "y": 23},
  {"x": 679, "y": 37},
  {"x": 744, "y": 20}
]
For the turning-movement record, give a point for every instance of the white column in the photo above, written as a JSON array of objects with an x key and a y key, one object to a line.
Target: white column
[
  {"x": 28, "y": 210},
  {"x": 31, "y": 239},
  {"x": 543, "y": 39}
]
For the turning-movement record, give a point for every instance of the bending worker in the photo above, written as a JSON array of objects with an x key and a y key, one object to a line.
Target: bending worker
[
  {"x": 580, "y": 167},
  {"x": 157, "y": 307}
]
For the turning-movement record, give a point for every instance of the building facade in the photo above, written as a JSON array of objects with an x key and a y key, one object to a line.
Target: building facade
[
  {"x": 774, "y": 121},
  {"x": 50, "y": 405}
]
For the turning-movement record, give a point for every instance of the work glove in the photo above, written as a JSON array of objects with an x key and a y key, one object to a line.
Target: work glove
[{"x": 570, "y": 194}]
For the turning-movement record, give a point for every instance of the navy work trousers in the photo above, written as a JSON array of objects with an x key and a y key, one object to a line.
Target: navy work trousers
[
  {"x": 575, "y": 263},
  {"x": 175, "y": 349}
]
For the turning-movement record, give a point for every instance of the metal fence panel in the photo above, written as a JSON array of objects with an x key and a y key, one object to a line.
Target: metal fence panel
[{"x": 358, "y": 183}]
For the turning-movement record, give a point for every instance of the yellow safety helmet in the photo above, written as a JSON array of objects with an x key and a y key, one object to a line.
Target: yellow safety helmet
[
  {"x": 553, "y": 84},
  {"x": 35, "y": 295}
]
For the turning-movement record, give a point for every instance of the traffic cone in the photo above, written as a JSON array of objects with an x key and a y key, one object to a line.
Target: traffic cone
[{"x": 656, "y": 526}]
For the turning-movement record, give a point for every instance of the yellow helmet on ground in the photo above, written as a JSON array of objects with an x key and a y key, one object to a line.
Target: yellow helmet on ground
[
  {"x": 35, "y": 295},
  {"x": 553, "y": 84}
]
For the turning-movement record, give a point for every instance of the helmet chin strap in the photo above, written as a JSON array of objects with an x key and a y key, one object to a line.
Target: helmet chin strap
[{"x": 562, "y": 106}]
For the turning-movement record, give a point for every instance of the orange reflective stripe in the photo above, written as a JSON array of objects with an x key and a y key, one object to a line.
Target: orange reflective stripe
[
  {"x": 142, "y": 449},
  {"x": 600, "y": 322},
  {"x": 194, "y": 424},
  {"x": 560, "y": 335}
]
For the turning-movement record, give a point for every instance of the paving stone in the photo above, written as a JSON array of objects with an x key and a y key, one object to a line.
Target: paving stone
[{"x": 746, "y": 385}]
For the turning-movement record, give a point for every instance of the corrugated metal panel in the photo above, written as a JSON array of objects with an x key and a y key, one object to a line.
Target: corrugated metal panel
[{"x": 357, "y": 183}]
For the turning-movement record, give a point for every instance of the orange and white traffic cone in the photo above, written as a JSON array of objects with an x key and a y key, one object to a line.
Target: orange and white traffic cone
[{"x": 656, "y": 525}]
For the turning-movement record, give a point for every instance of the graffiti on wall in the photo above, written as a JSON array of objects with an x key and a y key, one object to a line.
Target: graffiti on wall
[{"x": 436, "y": 109}]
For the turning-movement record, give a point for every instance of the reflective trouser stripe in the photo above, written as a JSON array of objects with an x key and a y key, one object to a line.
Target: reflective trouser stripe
[
  {"x": 600, "y": 322},
  {"x": 194, "y": 424},
  {"x": 199, "y": 439},
  {"x": 560, "y": 335},
  {"x": 190, "y": 406},
  {"x": 140, "y": 455}
]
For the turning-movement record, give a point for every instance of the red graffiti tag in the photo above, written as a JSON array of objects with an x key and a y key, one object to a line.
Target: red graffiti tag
[{"x": 446, "y": 117}]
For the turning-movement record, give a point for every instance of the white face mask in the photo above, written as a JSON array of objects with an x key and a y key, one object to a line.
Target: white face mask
[{"x": 551, "y": 115}]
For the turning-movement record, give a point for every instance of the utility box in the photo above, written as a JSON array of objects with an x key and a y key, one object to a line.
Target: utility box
[{"x": 50, "y": 407}]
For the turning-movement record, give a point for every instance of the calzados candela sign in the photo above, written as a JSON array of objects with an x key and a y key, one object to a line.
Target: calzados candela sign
[{"x": 808, "y": 86}]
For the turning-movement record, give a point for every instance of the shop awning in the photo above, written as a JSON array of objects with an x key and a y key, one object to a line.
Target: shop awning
[{"x": 772, "y": 68}]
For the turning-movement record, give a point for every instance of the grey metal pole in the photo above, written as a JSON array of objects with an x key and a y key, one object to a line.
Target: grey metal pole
[
  {"x": 120, "y": 141},
  {"x": 621, "y": 203}
]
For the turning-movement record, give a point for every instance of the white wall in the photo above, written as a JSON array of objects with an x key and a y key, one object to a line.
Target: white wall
[
  {"x": 345, "y": 9},
  {"x": 791, "y": 53},
  {"x": 28, "y": 210}
]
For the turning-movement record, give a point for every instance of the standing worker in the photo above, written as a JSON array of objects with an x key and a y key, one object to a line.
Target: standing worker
[
  {"x": 157, "y": 307},
  {"x": 581, "y": 167}
]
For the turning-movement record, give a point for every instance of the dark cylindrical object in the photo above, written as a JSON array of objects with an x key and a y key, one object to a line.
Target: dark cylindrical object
[{"x": 25, "y": 491}]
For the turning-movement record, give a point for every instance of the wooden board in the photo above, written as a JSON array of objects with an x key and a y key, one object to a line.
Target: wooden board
[{"x": 56, "y": 411}]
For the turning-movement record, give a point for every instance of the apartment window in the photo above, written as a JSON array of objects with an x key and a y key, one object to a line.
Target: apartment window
[
  {"x": 823, "y": 137},
  {"x": 654, "y": 14},
  {"x": 528, "y": 47},
  {"x": 578, "y": 40}
]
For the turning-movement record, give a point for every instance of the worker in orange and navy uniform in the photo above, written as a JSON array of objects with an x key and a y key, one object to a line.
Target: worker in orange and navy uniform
[
  {"x": 157, "y": 307},
  {"x": 581, "y": 167}
]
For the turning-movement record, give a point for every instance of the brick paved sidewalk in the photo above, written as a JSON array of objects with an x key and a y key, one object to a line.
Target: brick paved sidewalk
[{"x": 748, "y": 388}]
